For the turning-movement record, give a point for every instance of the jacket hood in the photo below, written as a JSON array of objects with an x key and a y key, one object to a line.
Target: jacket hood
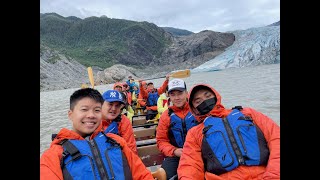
[
  {"x": 118, "y": 84},
  {"x": 217, "y": 111}
]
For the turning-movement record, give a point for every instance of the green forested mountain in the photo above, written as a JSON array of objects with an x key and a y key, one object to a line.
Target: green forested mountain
[
  {"x": 177, "y": 32},
  {"x": 102, "y": 41}
]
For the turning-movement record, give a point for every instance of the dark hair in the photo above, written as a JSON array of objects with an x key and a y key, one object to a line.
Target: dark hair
[
  {"x": 85, "y": 92},
  {"x": 125, "y": 100},
  {"x": 124, "y": 96},
  {"x": 196, "y": 89}
]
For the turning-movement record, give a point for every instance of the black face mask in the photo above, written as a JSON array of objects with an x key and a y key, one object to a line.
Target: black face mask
[{"x": 206, "y": 106}]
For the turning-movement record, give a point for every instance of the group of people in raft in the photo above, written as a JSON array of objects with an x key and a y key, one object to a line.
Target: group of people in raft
[
  {"x": 199, "y": 137},
  {"x": 151, "y": 101}
]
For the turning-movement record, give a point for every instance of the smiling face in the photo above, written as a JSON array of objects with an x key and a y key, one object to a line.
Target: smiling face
[
  {"x": 178, "y": 98},
  {"x": 118, "y": 88},
  {"x": 125, "y": 87},
  {"x": 150, "y": 86},
  {"x": 85, "y": 116},
  {"x": 110, "y": 110}
]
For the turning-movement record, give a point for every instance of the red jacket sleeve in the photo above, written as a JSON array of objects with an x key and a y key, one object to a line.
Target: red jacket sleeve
[
  {"x": 138, "y": 169},
  {"x": 162, "y": 138},
  {"x": 141, "y": 100},
  {"x": 50, "y": 164},
  {"x": 154, "y": 108},
  {"x": 126, "y": 131},
  {"x": 129, "y": 98},
  {"x": 271, "y": 133},
  {"x": 191, "y": 165},
  {"x": 163, "y": 87},
  {"x": 143, "y": 92}
]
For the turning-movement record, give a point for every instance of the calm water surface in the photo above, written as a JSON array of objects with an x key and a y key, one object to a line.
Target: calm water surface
[{"x": 257, "y": 87}]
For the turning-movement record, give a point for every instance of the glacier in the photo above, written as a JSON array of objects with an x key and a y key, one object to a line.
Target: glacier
[{"x": 252, "y": 47}]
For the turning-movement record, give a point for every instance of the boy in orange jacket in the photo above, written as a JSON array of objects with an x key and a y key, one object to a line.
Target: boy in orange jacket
[
  {"x": 237, "y": 143},
  {"x": 86, "y": 151},
  {"x": 111, "y": 115},
  {"x": 151, "y": 94},
  {"x": 173, "y": 126}
]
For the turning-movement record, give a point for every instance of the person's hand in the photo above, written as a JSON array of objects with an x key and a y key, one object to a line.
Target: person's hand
[
  {"x": 167, "y": 77},
  {"x": 177, "y": 152}
]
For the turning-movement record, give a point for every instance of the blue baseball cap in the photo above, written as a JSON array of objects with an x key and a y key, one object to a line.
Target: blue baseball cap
[{"x": 113, "y": 96}]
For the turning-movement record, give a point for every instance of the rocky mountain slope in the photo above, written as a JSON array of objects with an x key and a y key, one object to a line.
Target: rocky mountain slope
[
  {"x": 191, "y": 51},
  {"x": 60, "y": 72}
]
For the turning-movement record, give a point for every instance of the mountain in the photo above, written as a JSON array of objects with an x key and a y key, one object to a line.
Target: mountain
[
  {"x": 142, "y": 48},
  {"x": 101, "y": 41},
  {"x": 116, "y": 48},
  {"x": 252, "y": 47},
  {"x": 177, "y": 32}
]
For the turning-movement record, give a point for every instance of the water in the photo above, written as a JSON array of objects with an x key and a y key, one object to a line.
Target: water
[{"x": 257, "y": 87}]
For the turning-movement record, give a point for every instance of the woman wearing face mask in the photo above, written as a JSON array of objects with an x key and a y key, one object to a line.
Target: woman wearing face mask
[{"x": 237, "y": 143}]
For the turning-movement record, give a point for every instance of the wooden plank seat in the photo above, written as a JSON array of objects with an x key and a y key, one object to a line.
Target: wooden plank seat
[
  {"x": 150, "y": 155},
  {"x": 138, "y": 120},
  {"x": 146, "y": 142},
  {"x": 136, "y": 117},
  {"x": 146, "y": 125},
  {"x": 141, "y": 133}
]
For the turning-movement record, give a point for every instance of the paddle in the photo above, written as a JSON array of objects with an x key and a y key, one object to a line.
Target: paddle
[
  {"x": 84, "y": 86},
  {"x": 91, "y": 77},
  {"x": 175, "y": 74}
]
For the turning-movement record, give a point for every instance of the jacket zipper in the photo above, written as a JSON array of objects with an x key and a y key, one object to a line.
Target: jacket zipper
[
  {"x": 184, "y": 130},
  {"x": 109, "y": 162}
]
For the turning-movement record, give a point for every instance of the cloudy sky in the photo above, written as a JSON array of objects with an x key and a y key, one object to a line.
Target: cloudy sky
[{"x": 192, "y": 15}]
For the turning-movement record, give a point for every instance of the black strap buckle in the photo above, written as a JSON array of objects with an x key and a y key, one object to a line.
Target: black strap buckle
[
  {"x": 237, "y": 107},
  {"x": 71, "y": 149}
]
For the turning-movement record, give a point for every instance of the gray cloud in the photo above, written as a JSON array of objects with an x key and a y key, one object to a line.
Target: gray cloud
[{"x": 192, "y": 15}]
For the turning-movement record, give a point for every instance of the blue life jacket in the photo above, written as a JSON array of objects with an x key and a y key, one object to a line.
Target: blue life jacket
[
  {"x": 99, "y": 158},
  {"x": 130, "y": 85},
  {"x": 152, "y": 98},
  {"x": 232, "y": 141},
  {"x": 112, "y": 128},
  {"x": 178, "y": 128},
  {"x": 137, "y": 92}
]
